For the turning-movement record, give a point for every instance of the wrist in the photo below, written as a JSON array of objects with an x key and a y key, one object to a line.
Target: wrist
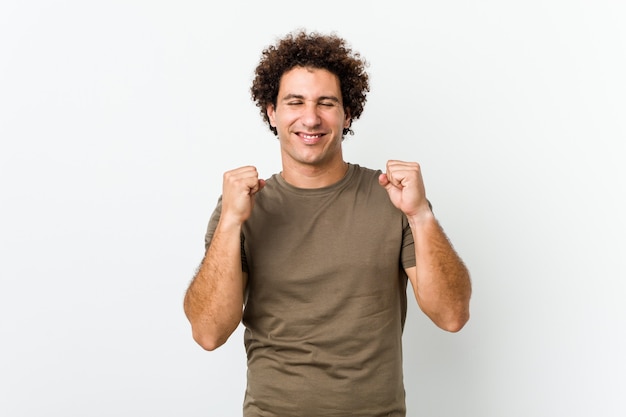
[
  {"x": 422, "y": 218},
  {"x": 229, "y": 223}
]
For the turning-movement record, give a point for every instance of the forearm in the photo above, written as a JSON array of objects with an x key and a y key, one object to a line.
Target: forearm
[
  {"x": 214, "y": 301},
  {"x": 441, "y": 281}
]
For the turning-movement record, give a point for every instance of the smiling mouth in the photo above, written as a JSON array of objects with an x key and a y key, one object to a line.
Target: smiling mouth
[{"x": 310, "y": 138}]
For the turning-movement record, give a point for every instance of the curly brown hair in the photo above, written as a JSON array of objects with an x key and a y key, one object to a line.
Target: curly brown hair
[{"x": 312, "y": 50}]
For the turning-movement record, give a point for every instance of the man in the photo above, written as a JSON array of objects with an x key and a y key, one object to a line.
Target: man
[{"x": 315, "y": 260}]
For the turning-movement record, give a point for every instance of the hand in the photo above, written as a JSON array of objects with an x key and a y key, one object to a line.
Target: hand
[
  {"x": 405, "y": 186},
  {"x": 238, "y": 190}
]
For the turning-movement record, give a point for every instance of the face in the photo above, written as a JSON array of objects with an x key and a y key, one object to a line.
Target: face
[{"x": 309, "y": 118}]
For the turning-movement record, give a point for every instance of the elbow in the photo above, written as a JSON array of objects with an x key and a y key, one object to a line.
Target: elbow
[
  {"x": 450, "y": 319},
  {"x": 456, "y": 323},
  {"x": 453, "y": 317},
  {"x": 211, "y": 337},
  {"x": 208, "y": 342},
  {"x": 208, "y": 331}
]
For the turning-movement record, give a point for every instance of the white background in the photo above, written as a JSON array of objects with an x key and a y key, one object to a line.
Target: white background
[{"x": 118, "y": 118}]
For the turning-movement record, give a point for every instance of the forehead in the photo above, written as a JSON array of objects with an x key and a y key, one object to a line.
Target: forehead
[{"x": 309, "y": 82}]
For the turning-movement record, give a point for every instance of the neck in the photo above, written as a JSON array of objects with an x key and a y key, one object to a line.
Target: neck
[{"x": 311, "y": 176}]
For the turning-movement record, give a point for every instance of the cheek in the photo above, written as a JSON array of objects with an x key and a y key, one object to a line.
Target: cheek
[{"x": 286, "y": 119}]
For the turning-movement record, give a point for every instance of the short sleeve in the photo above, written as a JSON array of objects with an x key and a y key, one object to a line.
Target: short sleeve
[{"x": 407, "y": 255}]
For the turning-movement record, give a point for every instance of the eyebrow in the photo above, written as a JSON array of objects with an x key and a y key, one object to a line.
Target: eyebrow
[{"x": 301, "y": 97}]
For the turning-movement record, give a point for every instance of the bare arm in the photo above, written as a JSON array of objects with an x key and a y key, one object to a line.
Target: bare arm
[
  {"x": 440, "y": 280},
  {"x": 214, "y": 300}
]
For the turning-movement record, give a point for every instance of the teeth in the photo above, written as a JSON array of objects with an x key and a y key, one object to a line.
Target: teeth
[{"x": 310, "y": 136}]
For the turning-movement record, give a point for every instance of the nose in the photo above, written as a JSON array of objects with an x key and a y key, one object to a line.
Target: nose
[{"x": 310, "y": 116}]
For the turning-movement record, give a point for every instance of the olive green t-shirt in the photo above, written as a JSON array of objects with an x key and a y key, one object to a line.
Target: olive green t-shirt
[{"x": 326, "y": 299}]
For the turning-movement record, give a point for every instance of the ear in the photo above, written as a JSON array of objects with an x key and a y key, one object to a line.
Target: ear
[
  {"x": 271, "y": 114},
  {"x": 348, "y": 120}
]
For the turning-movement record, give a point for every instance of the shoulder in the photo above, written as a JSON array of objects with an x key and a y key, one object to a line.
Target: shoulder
[
  {"x": 364, "y": 178},
  {"x": 364, "y": 175},
  {"x": 365, "y": 171}
]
